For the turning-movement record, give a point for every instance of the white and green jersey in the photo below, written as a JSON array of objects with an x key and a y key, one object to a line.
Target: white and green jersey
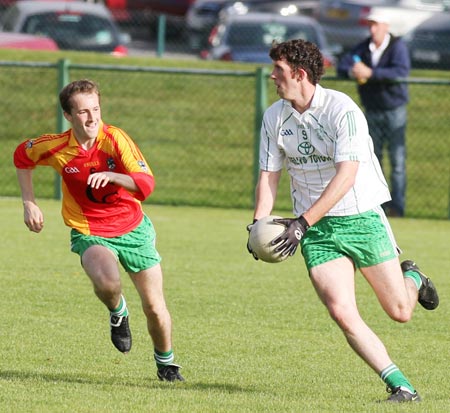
[{"x": 332, "y": 130}]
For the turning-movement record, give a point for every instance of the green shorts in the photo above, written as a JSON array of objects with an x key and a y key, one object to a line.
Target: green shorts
[
  {"x": 136, "y": 250},
  {"x": 366, "y": 238}
]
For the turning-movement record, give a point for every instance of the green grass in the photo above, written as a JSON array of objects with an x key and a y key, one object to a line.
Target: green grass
[
  {"x": 251, "y": 337},
  {"x": 197, "y": 131}
]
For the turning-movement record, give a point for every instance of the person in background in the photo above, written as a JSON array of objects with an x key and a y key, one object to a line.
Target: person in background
[
  {"x": 321, "y": 137},
  {"x": 375, "y": 64},
  {"x": 104, "y": 179}
]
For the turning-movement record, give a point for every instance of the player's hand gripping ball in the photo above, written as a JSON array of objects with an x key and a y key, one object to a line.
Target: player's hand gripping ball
[{"x": 262, "y": 233}]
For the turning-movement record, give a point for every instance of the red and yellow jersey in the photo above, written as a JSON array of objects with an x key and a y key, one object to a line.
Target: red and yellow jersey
[{"x": 110, "y": 211}]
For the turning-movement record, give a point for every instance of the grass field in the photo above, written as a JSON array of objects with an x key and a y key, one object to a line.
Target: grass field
[{"x": 251, "y": 337}]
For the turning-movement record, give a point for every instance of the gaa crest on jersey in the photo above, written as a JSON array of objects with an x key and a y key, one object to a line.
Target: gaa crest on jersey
[
  {"x": 321, "y": 134},
  {"x": 142, "y": 165},
  {"x": 29, "y": 144},
  {"x": 111, "y": 164},
  {"x": 286, "y": 132}
]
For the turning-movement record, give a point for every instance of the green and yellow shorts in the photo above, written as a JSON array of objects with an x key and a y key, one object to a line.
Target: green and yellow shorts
[
  {"x": 366, "y": 238},
  {"x": 136, "y": 250}
]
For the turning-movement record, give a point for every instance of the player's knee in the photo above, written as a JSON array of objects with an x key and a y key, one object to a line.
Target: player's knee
[
  {"x": 400, "y": 314},
  {"x": 343, "y": 316},
  {"x": 154, "y": 310}
]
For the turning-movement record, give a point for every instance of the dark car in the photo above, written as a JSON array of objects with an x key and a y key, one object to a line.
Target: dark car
[
  {"x": 73, "y": 25},
  {"x": 248, "y": 37},
  {"x": 203, "y": 15},
  {"x": 429, "y": 43}
]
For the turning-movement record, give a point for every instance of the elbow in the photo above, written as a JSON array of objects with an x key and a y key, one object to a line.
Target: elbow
[{"x": 145, "y": 184}]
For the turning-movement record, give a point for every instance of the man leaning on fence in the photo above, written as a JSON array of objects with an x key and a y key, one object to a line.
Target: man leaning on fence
[{"x": 375, "y": 64}]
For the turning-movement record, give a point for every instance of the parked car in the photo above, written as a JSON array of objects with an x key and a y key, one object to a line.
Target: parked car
[
  {"x": 248, "y": 37},
  {"x": 73, "y": 25},
  {"x": 171, "y": 7},
  {"x": 4, "y": 4},
  {"x": 26, "y": 41},
  {"x": 140, "y": 17},
  {"x": 429, "y": 43},
  {"x": 345, "y": 21},
  {"x": 203, "y": 15}
]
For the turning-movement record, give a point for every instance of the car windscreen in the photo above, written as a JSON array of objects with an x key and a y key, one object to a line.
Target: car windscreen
[{"x": 71, "y": 30}]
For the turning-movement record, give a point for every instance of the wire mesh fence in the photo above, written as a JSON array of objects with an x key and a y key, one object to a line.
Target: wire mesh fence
[{"x": 197, "y": 131}]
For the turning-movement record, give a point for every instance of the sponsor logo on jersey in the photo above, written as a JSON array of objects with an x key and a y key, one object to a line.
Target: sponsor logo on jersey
[
  {"x": 91, "y": 164},
  {"x": 311, "y": 159},
  {"x": 305, "y": 148}
]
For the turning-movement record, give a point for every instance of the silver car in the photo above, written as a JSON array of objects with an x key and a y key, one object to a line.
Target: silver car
[
  {"x": 73, "y": 25},
  {"x": 345, "y": 21}
]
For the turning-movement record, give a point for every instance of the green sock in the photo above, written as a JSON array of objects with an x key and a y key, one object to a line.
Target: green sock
[
  {"x": 414, "y": 275},
  {"x": 122, "y": 309},
  {"x": 393, "y": 378},
  {"x": 163, "y": 358}
]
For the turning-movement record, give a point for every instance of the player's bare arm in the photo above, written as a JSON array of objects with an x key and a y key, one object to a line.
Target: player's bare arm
[
  {"x": 266, "y": 192},
  {"x": 342, "y": 182},
  {"x": 32, "y": 214},
  {"x": 101, "y": 179}
]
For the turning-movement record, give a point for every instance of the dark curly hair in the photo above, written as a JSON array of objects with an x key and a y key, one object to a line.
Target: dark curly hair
[
  {"x": 300, "y": 54},
  {"x": 78, "y": 86}
]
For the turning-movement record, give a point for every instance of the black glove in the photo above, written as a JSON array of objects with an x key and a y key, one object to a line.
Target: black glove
[
  {"x": 249, "y": 249},
  {"x": 289, "y": 239}
]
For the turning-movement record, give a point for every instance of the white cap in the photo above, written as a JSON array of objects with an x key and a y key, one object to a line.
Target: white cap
[{"x": 378, "y": 16}]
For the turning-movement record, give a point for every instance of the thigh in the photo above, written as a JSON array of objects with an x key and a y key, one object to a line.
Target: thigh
[
  {"x": 100, "y": 264},
  {"x": 397, "y": 149},
  {"x": 387, "y": 281},
  {"x": 149, "y": 285},
  {"x": 334, "y": 282}
]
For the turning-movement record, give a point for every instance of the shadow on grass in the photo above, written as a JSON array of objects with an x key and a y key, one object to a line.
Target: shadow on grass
[{"x": 26, "y": 377}]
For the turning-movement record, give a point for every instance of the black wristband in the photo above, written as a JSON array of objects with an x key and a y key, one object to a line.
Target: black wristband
[{"x": 303, "y": 221}]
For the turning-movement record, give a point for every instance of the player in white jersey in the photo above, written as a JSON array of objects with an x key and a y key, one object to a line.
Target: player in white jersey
[
  {"x": 337, "y": 187},
  {"x": 310, "y": 141}
]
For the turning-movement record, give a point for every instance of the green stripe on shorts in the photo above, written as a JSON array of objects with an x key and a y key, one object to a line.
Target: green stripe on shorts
[
  {"x": 136, "y": 250},
  {"x": 366, "y": 238}
]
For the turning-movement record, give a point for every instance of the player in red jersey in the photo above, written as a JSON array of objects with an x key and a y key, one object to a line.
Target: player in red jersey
[{"x": 104, "y": 179}]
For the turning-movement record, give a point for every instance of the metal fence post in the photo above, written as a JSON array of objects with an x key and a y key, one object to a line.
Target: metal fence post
[
  {"x": 61, "y": 122},
  {"x": 161, "y": 35},
  {"x": 260, "y": 107}
]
